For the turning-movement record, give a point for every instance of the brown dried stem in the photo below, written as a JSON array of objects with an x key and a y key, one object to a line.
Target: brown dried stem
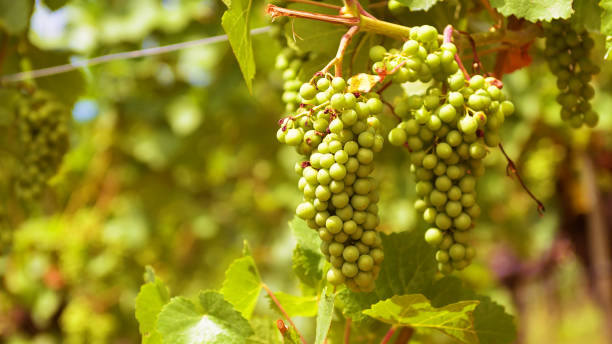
[{"x": 511, "y": 169}]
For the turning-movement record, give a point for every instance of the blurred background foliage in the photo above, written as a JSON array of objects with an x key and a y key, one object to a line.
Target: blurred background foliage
[{"x": 173, "y": 164}]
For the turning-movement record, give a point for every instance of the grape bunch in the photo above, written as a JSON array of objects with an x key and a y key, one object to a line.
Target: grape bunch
[
  {"x": 339, "y": 132},
  {"x": 567, "y": 52},
  {"x": 289, "y": 61},
  {"x": 447, "y": 130},
  {"x": 42, "y": 125}
]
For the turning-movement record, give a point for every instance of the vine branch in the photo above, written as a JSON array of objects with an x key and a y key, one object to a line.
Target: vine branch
[
  {"x": 275, "y": 300},
  {"x": 511, "y": 169},
  {"x": 448, "y": 38},
  {"x": 388, "y": 335},
  {"x": 347, "y": 330}
]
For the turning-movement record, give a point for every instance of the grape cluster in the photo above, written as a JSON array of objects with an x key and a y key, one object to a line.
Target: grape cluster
[
  {"x": 447, "y": 131},
  {"x": 43, "y": 134},
  {"x": 339, "y": 132},
  {"x": 567, "y": 52},
  {"x": 289, "y": 61}
]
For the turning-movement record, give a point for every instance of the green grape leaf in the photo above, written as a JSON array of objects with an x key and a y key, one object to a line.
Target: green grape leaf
[
  {"x": 55, "y": 4},
  {"x": 418, "y": 5},
  {"x": 324, "y": 316},
  {"x": 73, "y": 83},
  {"x": 15, "y": 15},
  {"x": 236, "y": 23},
  {"x": 149, "y": 302},
  {"x": 307, "y": 258},
  {"x": 491, "y": 322},
  {"x": 608, "y": 55},
  {"x": 587, "y": 14},
  {"x": 606, "y": 18},
  {"x": 415, "y": 310},
  {"x": 296, "y": 306},
  {"x": 534, "y": 11},
  {"x": 213, "y": 321},
  {"x": 242, "y": 285},
  {"x": 409, "y": 267},
  {"x": 266, "y": 332}
]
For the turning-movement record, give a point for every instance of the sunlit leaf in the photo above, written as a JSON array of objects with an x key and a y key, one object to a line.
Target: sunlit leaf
[{"x": 416, "y": 311}]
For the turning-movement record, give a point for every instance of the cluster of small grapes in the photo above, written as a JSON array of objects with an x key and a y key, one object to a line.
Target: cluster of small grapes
[
  {"x": 447, "y": 131},
  {"x": 289, "y": 61},
  {"x": 568, "y": 58},
  {"x": 339, "y": 131},
  {"x": 43, "y": 133}
]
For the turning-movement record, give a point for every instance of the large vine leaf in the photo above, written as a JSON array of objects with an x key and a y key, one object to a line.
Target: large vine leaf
[
  {"x": 408, "y": 268},
  {"x": 307, "y": 258},
  {"x": 416, "y": 311},
  {"x": 587, "y": 14},
  {"x": 55, "y": 4},
  {"x": 296, "y": 306},
  {"x": 213, "y": 321},
  {"x": 149, "y": 302},
  {"x": 242, "y": 285},
  {"x": 606, "y": 25},
  {"x": 266, "y": 332},
  {"x": 491, "y": 321},
  {"x": 235, "y": 22},
  {"x": 324, "y": 316},
  {"x": 534, "y": 11},
  {"x": 15, "y": 15},
  {"x": 418, "y": 5}
]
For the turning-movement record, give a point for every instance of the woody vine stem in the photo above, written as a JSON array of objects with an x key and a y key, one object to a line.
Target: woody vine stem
[{"x": 353, "y": 15}]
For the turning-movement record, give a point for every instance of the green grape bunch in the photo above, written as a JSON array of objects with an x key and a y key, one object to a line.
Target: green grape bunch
[
  {"x": 42, "y": 125},
  {"x": 447, "y": 131},
  {"x": 567, "y": 52},
  {"x": 339, "y": 132}
]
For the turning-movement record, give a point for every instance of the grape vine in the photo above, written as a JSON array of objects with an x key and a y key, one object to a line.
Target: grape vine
[{"x": 42, "y": 125}]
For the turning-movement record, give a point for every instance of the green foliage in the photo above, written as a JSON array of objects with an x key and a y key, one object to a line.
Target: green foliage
[
  {"x": 296, "y": 306},
  {"x": 416, "y": 311},
  {"x": 151, "y": 298},
  {"x": 15, "y": 15},
  {"x": 242, "y": 285},
  {"x": 236, "y": 23},
  {"x": 418, "y": 5},
  {"x": 491, "y": 322},
  {"x": 55, "y": 4},
  {"x": 544, "y": 10},
  {"x": 307, "y": 258},
  {"x": 212, "y": 320},
  {"x": 324, "y": 315}
]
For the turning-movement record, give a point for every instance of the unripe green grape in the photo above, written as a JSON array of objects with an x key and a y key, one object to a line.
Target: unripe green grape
[
  {"x": 397, "y": 136},
  {"x": 468, "y": 125},
  {"x": 340, "y": 200},
  {"x": 445, "y": 268},
  {"x": 305, "y": 210},
  {"x": 442, "y": 256},
  {"x": 334, "y": 224},
  {"x": 447, "y": 113},
  {"x": 375, "y": 105},
  {"x": 454, "y": 138},
  {"x": 337, "y": 171},
  {"x": 462, "y": 222},
  {"x": 363, "y": 279},
  {"x": 433, "y": 236},
  {"x": 461, "y": 237},
  {"x": 365, "y": 156},
  {"x": 365, "y": 263},
  {"x": 474, "y": 211},
  {"x": 335, "y": 276},
  {"x": 457, "y": 252},
  {"x": 443, "y": 221},
  {"x": 446, "y": 243},
  {"x": 437, "y": 198},
  {"x": 477, "y": 151}
]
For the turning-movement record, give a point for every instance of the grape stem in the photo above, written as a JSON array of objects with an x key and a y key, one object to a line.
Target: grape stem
[
  {"x": 280, "y": 307},
  {"x": 336, "y": 62},
  {"x": 448, "y": 38},
  {"x": 497, "y": 18},
  {"x": 347, "y": 330},
  {"x": 511, "y": 169},
  {"x": 388, "y": 335},
  {"x": 404, "y": 336},
  {"x": 475, "y": 57},
  {"x": 316, "y": 3}
]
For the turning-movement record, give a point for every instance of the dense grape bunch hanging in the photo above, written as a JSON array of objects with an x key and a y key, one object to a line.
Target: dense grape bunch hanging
[
  {"x": 447, "y": 131},
  {"x": 43, "y": 134},
  {"x": 568, "y": 53},
  {"x": 339, "y": 132}
]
